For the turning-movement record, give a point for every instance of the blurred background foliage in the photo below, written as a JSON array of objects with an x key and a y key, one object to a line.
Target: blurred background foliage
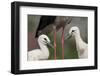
[{"x": 70, "y": 51}]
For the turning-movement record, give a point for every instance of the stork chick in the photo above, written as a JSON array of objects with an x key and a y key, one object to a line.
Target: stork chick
[
  {"x": 82, "y": 47},
  {"x": 43, "y": 52}
]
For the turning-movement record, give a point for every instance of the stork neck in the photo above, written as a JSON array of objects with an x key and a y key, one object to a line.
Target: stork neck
[
  {"x": 78, "y": 40},
  {"x": 44, "y": 49},
  {"x": 79, "y": 44},
  {"x": 78, "y": 37}
]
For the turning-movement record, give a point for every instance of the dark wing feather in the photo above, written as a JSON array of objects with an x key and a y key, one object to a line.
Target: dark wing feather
[{"x": 44, "y": 22}]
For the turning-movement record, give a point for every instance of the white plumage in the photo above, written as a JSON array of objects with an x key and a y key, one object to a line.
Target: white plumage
[
  {"x": 43, "y": 52},
  {"x": 82, "y": 47}
]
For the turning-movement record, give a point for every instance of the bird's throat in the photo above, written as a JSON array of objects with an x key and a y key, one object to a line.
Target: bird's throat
[{"x": 44, "y": 49}]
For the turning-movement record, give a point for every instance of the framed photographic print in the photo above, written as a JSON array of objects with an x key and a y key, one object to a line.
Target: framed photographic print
[{"x": 52, "y": 37}]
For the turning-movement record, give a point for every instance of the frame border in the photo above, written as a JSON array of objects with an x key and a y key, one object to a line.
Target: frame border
[{"x": 15, "y": 37}]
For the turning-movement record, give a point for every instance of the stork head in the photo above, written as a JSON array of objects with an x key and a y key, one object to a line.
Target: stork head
[
  {"x": 44, "y": 39},
  {"x": 73, "y": 32}
]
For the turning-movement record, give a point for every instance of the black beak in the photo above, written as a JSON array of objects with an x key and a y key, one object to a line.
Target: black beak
[
  {"x": 50, "y": 45},
  {"x": 68, "y": 36}
]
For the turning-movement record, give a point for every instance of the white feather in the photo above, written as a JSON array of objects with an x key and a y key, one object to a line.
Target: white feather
[
  {"x": 43, "y": 52},
  {"x": 82, "y": 47}
]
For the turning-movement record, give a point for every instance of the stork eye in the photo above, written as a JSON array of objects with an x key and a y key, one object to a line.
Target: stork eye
[
  {"x": 73, "y": 30},
  {"x": 45, "y": 39}
]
